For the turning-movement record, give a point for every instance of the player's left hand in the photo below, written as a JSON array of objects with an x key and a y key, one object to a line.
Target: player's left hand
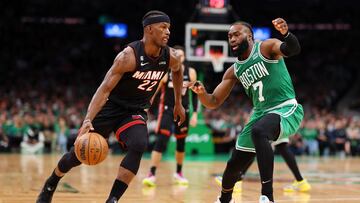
[
  {"x": 86, "y": 127},
  {"x": 281, "y": 25},
  {"x": 179, "y": 112}
]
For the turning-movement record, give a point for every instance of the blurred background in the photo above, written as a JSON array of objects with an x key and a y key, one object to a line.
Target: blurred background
[{"x": 54, "y": 54}]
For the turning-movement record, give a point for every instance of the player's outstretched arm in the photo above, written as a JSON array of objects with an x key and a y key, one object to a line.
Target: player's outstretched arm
[
  {"x": 177, "y": 77},
  {"x": 221, "y": 92},
  {"x": 274, "y": 48},
  {"x": 124, "y": 62}
]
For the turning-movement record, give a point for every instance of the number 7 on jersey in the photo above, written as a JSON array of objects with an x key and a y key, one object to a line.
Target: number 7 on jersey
[{"x": 259, "y": 85}]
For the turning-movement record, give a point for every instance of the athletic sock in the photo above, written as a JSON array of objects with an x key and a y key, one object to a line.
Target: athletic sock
[
  {"x": 53, "y": 179},
  {"x": 178, "y": 168},
  {"x": 153, "y": 170},
  {"x": 226, "y": 196},
  {"x": 117, "y": 190}
]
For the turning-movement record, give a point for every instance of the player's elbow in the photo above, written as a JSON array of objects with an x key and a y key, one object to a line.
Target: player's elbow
[
  {"x": 213, "y": 104},
  {"x": 290, "y": 50}
]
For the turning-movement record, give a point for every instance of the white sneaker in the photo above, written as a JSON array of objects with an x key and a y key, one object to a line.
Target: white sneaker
[
  {"x": 180, "y": 179},
  {"x": 264, "y": 199},
  {"x": 218, "y": 200},
  {"x": 150, "y": 180}
]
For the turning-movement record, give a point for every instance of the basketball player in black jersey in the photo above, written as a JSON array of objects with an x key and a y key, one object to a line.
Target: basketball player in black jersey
[
  {"x": 119, "y": 102},
  {"x": 166, "y": 125}
]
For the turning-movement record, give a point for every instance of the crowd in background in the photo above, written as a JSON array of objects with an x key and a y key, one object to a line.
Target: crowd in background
[
  {"x": 322, "y": 132},
  {"x": 31, "y": 122},
  {"x": 49, "y": 71}
]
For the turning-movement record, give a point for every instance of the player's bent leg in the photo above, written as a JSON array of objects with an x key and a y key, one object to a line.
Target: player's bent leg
[
  {"x": 179, "y": 156},
  {"x": 239, "y": 161},
  {"x": 264, "y": 130},
  {"x": 238, "y": 184},
  {"x": 136, "y": 140},
  {"x": 67, "y": 162},
  {"x": 300, "y": 184},
  {"x": 156, "y": 155}
]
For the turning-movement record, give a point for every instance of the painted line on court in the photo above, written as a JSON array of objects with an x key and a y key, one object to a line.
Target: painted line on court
[{"x": 315, "y": 200}]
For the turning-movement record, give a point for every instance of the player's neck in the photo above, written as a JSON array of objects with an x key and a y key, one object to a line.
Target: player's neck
[{"x": 151, "y": 49}]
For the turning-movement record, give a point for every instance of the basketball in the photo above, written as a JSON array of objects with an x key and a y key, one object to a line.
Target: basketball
[{"x": 91, "y": 148}]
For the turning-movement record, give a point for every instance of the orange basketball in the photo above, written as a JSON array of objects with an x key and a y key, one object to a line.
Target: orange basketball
[{"x": 91, "y": 148}]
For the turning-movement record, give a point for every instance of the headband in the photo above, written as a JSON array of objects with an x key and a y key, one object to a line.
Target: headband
[{"x": 156, "y": 19}]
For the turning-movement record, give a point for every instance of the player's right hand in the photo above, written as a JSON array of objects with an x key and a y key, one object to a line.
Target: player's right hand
[
  {"x": 86, "y": 127},
  {"x": 281, "y": 25},
  {"x": 197, "y": 87}
]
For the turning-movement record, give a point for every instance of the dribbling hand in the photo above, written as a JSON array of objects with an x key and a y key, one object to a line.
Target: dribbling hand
[
  {"x": 86, "y": 127},
  {"x": 281, "y": 25}
]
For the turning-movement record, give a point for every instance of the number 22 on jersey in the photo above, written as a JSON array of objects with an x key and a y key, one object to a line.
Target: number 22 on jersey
[{"x": 147, "y": 85}]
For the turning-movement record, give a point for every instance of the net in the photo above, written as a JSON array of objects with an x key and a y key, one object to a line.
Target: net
[{"x": 217, "y": 60}]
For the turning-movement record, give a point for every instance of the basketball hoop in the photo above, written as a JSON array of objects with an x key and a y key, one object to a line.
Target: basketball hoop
[{"x": 217, "y": 60}]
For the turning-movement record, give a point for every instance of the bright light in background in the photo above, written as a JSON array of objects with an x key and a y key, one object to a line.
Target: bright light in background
[
  {"x": 115, "y": 30},
  {"x": 261, "y": 33}
]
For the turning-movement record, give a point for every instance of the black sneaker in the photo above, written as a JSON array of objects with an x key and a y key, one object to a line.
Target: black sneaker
[
  {"x": 111, "y": 200},
  {"x": 46, "y": 194}
]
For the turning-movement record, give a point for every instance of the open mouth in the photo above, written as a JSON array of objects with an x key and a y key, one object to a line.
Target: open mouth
[{"x": 235, "y": 47}]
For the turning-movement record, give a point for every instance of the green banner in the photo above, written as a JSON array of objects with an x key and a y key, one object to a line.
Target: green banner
[{"x": 198, "y": 141}]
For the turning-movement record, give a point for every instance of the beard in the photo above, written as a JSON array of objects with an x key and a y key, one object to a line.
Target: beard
[{"x": 242, "y": 47}]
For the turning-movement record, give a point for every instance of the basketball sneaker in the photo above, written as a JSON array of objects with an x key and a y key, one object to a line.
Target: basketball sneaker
[
  {"x": 237, "y": 186},
  {"x": 299, "y": 186},
  {"x": 218, "y": 200},
  {"x": 264, "y": 199},
  {"x": 180, "y": 179},
  {"x": 46, "y": 194},
  {"x": 111, "y": 200},
  {"x": 150, "y": 180}
]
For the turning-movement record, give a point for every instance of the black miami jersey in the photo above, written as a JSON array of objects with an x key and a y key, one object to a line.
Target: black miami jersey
[
  {"x": 135, "y": 89},
  {"x": 167, "y": 91}
]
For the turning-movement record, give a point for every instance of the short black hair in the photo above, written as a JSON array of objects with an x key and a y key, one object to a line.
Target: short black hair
[
  {"x": 246, "y": 24},
  {"x": 153, "y": 13}
]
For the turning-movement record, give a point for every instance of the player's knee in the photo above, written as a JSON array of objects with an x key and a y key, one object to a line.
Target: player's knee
[
  {"x": 233, "y": 161},
  {"x": 281, "y": 147},
  {"x": 180, "y": 145},
  {"x": 68, "y": 161},
  {"x": 132, "y": 160},
  {"x": 161, "y": 143},
  {"x": 139, "y": 145},
  {"x": 231, "y": 165}
]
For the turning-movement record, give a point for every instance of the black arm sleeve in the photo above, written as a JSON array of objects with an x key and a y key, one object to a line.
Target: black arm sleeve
[
  {"x": 290, "y": 46},
  {"x": 194, "y": 100}
]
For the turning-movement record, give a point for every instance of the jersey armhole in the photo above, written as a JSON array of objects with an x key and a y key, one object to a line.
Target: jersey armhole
[
  {"x": 135, "y": 55},
  {"x": 167, "y": 51},
  {"x": 263, "y": 57}
]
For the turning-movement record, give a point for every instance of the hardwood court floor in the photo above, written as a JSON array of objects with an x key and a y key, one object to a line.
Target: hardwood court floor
[{"x": 22, "y": 176}]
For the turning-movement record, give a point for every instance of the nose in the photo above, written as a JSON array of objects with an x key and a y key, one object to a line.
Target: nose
[
  {"x": 232, "y": 40},
  {"x": 167, "y": 31}
]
